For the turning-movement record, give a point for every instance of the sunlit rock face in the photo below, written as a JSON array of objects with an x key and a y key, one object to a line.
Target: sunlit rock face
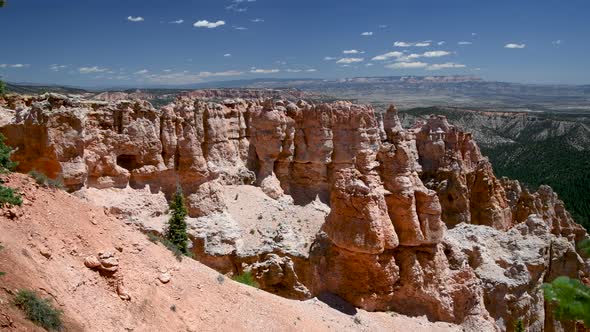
[{"x": 411, "y": 220}]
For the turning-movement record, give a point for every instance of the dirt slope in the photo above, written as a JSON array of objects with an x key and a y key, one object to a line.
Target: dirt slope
[{"x": 47, "y": 240}]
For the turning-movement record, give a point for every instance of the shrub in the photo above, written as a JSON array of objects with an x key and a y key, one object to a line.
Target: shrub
[
  {"x": 176, "y": 228},
  {"x": 246, "y": 278},
  {"x": 9, "y": 197},
  {"x": 6, "y": 165},
  {"x": 39, "y": 311},
  {"x": 45, "y": 181},
  {"x": 519, "y": 326},
  {"x": 2, "y": 84}
]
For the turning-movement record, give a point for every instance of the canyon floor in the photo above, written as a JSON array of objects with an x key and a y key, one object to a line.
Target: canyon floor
[{"x": 47, "y": 240}]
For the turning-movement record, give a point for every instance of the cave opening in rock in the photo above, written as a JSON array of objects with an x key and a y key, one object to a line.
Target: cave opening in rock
[{"x": 127, "y": 161}]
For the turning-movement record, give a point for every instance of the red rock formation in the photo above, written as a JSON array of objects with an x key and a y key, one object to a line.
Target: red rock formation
[
  {"x": 391, "y": 190},
  {"x": 545, "y": 204},
  {"x": 381, "y": 248},
  {"x": 464, "y": 180}
]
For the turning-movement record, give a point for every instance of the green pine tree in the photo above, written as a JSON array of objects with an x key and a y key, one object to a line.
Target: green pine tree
[
  {"x": 571, "y": 297},
  {"x": 2, "y": 86},
  {"x": 176, "y": 229}
]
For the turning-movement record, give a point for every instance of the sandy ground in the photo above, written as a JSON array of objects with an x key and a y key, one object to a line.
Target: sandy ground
[{"x": 47, "y": 240}]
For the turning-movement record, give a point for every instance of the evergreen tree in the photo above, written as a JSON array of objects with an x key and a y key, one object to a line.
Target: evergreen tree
[
  {"x": 519, "y": 326},
  {"x": 176, "y": 229},
  {"x": 571, "y": 297},
  {"x": 2, "y": 86}
]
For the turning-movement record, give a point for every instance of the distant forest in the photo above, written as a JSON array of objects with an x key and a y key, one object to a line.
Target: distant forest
[{"x": 552, "y": 162}]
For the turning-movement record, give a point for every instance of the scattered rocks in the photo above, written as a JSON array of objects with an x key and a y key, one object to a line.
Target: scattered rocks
[{"x": 164, "y": 277}]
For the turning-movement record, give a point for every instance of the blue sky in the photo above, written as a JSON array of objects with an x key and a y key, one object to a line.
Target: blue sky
[{"x": 148, "y": 42}]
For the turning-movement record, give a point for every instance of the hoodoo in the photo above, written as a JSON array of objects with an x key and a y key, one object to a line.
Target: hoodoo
[{"x": 411, "y": 220}]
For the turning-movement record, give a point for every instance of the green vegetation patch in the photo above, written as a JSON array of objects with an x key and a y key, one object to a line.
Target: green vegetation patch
[
  {"x": 45, "y": 181},
  {"x": 38, "y": 310},
  {"x": 571, "y": 297},
  {"x": 246, "y": 278}
]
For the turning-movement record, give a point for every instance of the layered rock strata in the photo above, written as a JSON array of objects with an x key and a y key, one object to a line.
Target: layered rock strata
[{"x": 392, "y": 192}]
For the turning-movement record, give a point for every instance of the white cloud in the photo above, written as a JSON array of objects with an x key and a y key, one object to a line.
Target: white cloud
[
  {"x": 513, "y": 45},
  {"x": 257, "y": 20},
  {"x": 474, "y": 34},
  {"x": 464, "y": 43},
  {"x": 264, "y": 71},
  {"x": 329, "y": 58},
  {"x": 387, "y": 56},
  {"x": 402, "y": 44},
  {"x": 448, "y": 65},
  {"x": 239, "y": 27},
  {"x": 435, "y": 54},
  {"x": 352, "y": 52},
  {"x": 350, "y": 60},
  {"x": 227, "y": 55},
  {"x": 440, "y": 43},
  {"x": 367, "y": 33},
  {"x": 235, "y": 6},
  {"x": 207, "y": 24},
  {"x": 177, "y": 21},
  {"x": 368, "y": 64},
  {"x": 557, "y": 42},
  {"x": 382, "y": 26},
  {"x": 90, "y": 70},
  {"x": 56, "y": 67},
  {"x": 407, "y": 44},
  {"x": 135, "y": 18},
  {"x": 17, "y": 65},
  {"x": 401, "y": 57},
  {"x": 220, "y": 73},
  {"x": 142, "y": 72},
  {"x": 406, "y": 65},
  {"x": 293, "y": 70},
  {"x": 311, "y": 70}
]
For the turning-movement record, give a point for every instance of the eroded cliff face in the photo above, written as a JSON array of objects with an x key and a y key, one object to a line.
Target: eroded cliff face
[{"x": 392, "y": 194}]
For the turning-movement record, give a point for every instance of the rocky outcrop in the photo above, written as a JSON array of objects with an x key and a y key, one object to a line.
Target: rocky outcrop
[
  {"x": 380, "y": 246},
  {"x": 392, "y": 194},
  {"x": 545, "y": 204},
  {"x": 512, "y": 266},
  {"x": 464, "y": 180}
]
